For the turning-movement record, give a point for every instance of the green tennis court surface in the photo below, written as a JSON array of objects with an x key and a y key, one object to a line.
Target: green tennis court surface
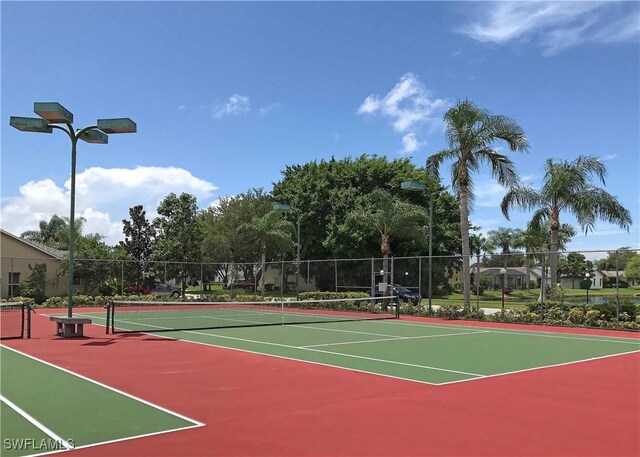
[
  {"x": 45, "y": 408},
  {"x": 430, "y": 353}
]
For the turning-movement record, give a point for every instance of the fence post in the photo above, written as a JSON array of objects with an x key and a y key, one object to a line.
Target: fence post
[
  {"x": 373, "y": 279},
  {"x": 617, "y": 287},
  {"x": 122, "y": 277},
  {"x": 478, "y": 282},
  {"x": 335, "y": 270},
  {"x": 420, "y": 276}
]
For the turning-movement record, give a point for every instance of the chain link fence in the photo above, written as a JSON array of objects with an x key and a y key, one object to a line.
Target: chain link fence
[{"x": 496, "y": 279}]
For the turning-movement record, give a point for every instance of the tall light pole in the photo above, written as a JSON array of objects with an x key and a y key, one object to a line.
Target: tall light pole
[
  {"x": 51, "y": 114},
  {"x": 285, "y": 207},
  {"x": 416, "y": 186},
  {"x": 503, "y": 272},
  {"x": 587, "y": 278}
]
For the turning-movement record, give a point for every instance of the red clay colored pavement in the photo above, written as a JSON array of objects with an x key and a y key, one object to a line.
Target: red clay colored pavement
[{"x": 257, "y": 405}]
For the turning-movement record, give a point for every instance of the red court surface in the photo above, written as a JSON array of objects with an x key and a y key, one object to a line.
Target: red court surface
[{"x": 257, "y": 405}]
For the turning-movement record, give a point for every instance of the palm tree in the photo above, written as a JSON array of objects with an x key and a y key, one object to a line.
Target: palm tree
[
  {"x": 389, "y": 216},
  {"x": 267, "y": 230},
  {"x": 471, "y": 133},
  {"x": 567, "y": 187},
  {"x": 504, "y": 238},
  {"x": 54, "y": 233},
  {"x": 535, "y": 241}
]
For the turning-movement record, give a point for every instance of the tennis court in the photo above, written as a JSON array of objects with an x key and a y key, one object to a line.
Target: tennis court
[
  {"x": 46, "y": 408},
  {"x": 341, "y": 381},
  {"x": 366, "y": 341}
]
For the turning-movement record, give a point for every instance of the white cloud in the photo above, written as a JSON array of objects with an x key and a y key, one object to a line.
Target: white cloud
[
  {"x": 608, "y": 157},
  {"x": 182, "y": 109},
  {"x": 489, "y": 194},
  {"x": 269, "y": 108},
  {"x": 103, "y": 197},
  {"x": 407, "y": 104},
  {"x": 410, "y": 143},
  {"x": 236, "y": 106},
  {"x": 555, "y": 25}
]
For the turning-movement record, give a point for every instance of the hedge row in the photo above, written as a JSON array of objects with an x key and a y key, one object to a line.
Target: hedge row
[{"x": 551, "y": 313}]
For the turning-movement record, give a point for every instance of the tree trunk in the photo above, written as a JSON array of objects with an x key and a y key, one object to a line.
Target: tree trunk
[
  {"x": 554, "y": 222},
  {"x": 263, "y": 259},
  {"x": 464, "y": 232}
]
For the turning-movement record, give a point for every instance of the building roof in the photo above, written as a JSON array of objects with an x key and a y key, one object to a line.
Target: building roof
[{"x": 53, "y": 252}]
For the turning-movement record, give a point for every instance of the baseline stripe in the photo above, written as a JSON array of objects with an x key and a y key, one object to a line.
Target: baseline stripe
[
  {"x": 113, "y": 389},
  {"x": 398, "y": 338},
  {"x": 47, "y": 431}
]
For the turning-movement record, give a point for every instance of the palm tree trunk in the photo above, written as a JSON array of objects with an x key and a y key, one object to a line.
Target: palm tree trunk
[
  {"x": 464, "y": 232},
  {"x": 554, "y": 222},
  {"x": 264, "y": 261}
]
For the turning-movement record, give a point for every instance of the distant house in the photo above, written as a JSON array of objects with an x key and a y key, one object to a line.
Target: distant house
[
  {"x": 610, "y": 278},
  {"x": 598, "y": 281},
  {"x": 17, "y": 254},
  {"x": 514, "y": 278}
]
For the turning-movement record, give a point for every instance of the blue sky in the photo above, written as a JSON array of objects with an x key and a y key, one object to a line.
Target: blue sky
[{"x": 226, "y": 95}]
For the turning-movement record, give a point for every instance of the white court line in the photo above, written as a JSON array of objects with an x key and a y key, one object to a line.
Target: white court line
[
  {"x": 118, "y": 440},
  {"x": 98, "y": 383},
  {"x": 393, "y": 362},
  {"x": 515, "y": 332},
  {"x": 399, "y": 338},
  {"x": 39, "y": 425},
  {"x": 543, "y": 367},
  {"x": 541, "y": 334}
]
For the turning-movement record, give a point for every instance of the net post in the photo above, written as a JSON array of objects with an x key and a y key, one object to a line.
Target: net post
[
  {"x": 28, "y": 310},
  {"x": 22, "y": 318},
  {"x": 107, "y": 307},
  {"x": 398, "y": 307}
]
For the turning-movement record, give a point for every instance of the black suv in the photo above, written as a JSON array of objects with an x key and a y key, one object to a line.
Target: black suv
[{"x": 406, "y": 295}]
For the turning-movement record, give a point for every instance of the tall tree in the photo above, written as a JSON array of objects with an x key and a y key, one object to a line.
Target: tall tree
[
  {"x": 92, "y": 262},
  {"x": 616, "y": 259},
  {"x": 139, "y": 237},
  {"x": 567, "y": 187},
  {"x": 632, "y": 270},
  {"x": 471, "y": 133},
  {"x": 178, "y": 236},
  {"x": 54, "y": 233},
  {"x": 388, "y": 217},
  {"x": 222, "y": 244},
  {"x": 505, "y": 238},
  {"x": 574, "y": 266},
  {"x": 267, "y": 230}
]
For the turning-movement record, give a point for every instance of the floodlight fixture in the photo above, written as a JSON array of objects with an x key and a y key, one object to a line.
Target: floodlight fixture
[
  {"x": 117, "y": 125},
  {"x": 30, "y": 124},
  {"x": 281, "y": 206},
  {"x": 94, "y": 136},
  {"x": 414, "y": 186},
  {"x": 53, "y": 112}
]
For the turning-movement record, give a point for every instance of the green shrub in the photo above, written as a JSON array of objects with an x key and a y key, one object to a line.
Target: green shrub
[{"x": 450, "y": 312}]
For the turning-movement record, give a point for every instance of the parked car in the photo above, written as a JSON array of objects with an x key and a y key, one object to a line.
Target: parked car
[
  {"x": 165, "y": 290},
  {"x": 243, "y": 284},
  {"x": 158, "y": 288},
  {"x": 406, "y": 294}
]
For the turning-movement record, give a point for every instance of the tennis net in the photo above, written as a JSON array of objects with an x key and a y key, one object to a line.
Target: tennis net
[
  {"x": 148, "y": 316},
  {"x": 15, "y": 320}
]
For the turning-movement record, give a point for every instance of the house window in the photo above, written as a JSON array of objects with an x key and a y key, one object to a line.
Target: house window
[{"x": 14, "y": 284}]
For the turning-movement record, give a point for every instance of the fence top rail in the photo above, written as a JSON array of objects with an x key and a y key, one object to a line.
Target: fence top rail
[{"x": 333, "y": 260}]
